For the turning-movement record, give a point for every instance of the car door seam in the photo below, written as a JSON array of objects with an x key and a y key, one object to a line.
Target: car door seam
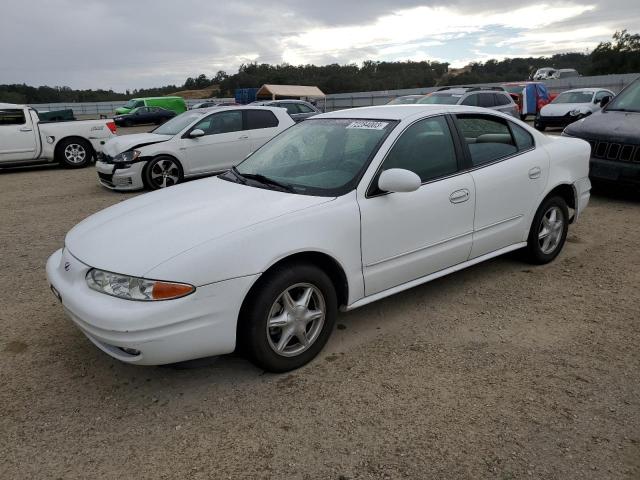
[{"x": 419, "y": 249}]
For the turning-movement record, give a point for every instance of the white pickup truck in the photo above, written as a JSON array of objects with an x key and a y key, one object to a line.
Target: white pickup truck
[{"x": 25, "y": 140}]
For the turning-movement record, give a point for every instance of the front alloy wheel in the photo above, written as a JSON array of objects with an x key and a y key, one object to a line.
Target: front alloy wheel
[
  {"x": 162, "y": 172},
  {"x": 296, "y": 319},
  {"x": 548, "y": 231},
  {"x": 288, "y": 317}
]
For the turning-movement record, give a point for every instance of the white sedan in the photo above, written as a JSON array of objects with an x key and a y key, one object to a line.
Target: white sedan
[
  {"x": 336, "y": 212},
  {"x": 571, "y": 106},
  {"x": 194, "y": 144}
]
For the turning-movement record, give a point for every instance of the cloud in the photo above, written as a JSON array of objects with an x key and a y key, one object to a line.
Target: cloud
[{"x": 123, "y": 44}]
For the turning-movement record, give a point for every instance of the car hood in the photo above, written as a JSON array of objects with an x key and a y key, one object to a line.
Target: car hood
[
  {"x": 561, "y": 109},
  {"x": 137, "y": 235},
  {"x": 123, "y": 143},
  {"x": 612, "y": 126}
]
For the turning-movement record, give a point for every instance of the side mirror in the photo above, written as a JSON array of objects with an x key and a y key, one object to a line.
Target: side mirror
[
  {"x": 605, "y": 100},
  {"x": 399, "y": 180},
  {"x": 197, "y": 133}
]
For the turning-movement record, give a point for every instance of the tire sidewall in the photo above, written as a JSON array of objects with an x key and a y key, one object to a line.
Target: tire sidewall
[
  {"x": 253, "y": 321},
  {"x": 62, "y": 159},
  {"x": 146, "y": 171},
  {"x": 536, "y": 254}
]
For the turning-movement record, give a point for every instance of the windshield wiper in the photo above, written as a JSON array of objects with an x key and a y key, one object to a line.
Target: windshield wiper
[
  {"x": 622, "y": 110},
  {"x": 238, "y": 175},
  {"x": 266, "y": 181}
]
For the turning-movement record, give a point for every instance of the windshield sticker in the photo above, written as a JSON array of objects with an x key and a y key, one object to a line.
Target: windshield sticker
[{"x": 368, "y": 125}]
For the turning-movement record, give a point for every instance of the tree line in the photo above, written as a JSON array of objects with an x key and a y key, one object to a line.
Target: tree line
[{"x": 620, "y": 55}]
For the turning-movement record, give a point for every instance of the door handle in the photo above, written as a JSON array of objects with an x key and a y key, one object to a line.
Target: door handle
[
  {"x": 535, "y": 172},
  {"x": 26, "y": 129},
  {"x": 459, "y": 196},
  {"x": 243, "y": 137}
]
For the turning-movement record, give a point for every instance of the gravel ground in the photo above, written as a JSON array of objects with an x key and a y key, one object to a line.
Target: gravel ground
[{"x": 502, "y": 371}]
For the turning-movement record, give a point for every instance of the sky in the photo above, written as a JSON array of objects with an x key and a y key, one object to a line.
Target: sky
[{"x": 127, "y": 44}]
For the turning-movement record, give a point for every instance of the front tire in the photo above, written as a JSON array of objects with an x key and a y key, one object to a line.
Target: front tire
[
  {"x": 538, "y": 125},
  {"x": 161, "y": 172},
  {"x": 289, "y": 317},
  {"x": 74, "y": 153},
  {"x": 548, "y": 231}
]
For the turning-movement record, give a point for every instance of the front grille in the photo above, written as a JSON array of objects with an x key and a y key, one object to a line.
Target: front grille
[{"x": 615, "y": 151}]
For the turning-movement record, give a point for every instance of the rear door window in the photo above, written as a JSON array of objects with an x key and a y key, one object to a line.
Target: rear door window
[
  {"x": 486, "y": 100},
  {"x": 257, "y": 119},
  {"x": 292, "y": 108},
  {"x": 12, "y": 117},
  {"x": 488, "y": 138}
]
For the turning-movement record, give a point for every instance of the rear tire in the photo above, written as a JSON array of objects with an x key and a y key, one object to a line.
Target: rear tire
[
  {"x": 539, "y": 126},
  {"x": 161, "y": 172},
  {"x": 74, "y": 153},
  {"x": 548, "y": 231},
  {"x": 288, "y": 317}
]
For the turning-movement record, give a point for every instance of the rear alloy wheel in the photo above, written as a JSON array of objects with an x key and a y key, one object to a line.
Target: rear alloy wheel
[
  {"x": 74, "y": 153},
  {"x": 162, "y": 172},
  {"x": 548, "y": 231},
  {"x": 289, "y": 317}
]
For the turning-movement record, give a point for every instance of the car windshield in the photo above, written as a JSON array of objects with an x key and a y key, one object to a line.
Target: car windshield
[
  {"x": 574, "y": 97},
  {"x": 404, "y": 101},
  {"x": 130, "y": 104},
  {"x": 177, "y": 124},
  {"x": 324, "y": 157},
  {"x": 441, "y": 99},
  {"x": 627, "y": 100}
]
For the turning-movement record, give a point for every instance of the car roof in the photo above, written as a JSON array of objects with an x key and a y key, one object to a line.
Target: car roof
[
  {"x": 399, "y": 112},
  {"x": 237, "y": 107},
  {"x": 587, "y": 89}
]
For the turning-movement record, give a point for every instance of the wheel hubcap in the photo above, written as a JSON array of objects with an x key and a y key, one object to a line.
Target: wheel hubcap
[
  {"x": 165, "y": 173},
  {"x": 75, "y": 153},
  {"x": 296, "y": 319},
  {"x": 551, "y": 229}
]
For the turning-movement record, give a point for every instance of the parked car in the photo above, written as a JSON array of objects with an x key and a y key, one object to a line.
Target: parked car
[
  {"x": 196, "y": 143},
  {"x": 565, "y": 73},
  {"x": 175, "y": 104},
  {"x": 144, "y": 116},
  {"x": 495, "y": 98},
  {"x": 543, "y": 73},
  {"x": 529, "y": 96},
  {"x": 334, "y": 213},
  {"x": 210, "y": 104},
  {"x": 25, "y": 140},
  {"x": 614, "y": 135},
  {"x": 570, "y": 106},
  {"x": 405, "y": 100},
  {"x": 298, "y": 110}
]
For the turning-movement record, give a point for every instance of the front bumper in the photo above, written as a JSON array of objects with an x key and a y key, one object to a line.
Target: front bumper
[
  {"x": 121, "y": 179},
  {"x": 618, "y": 172},
  {"x": 557, "y": 121},
  {"x": 200, "y": 325}
]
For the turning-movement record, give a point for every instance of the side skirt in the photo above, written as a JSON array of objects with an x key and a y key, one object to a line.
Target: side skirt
[{"x": 419, "y": 281}]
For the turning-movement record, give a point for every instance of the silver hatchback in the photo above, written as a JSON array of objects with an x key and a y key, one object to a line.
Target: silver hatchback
[{"x": 495, "y": 98}]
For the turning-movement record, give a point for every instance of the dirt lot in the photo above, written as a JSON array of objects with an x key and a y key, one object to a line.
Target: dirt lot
[{"x": 502, "y": 371}]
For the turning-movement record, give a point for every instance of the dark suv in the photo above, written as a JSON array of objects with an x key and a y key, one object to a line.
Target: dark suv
[{"x": 614, "y": 135}]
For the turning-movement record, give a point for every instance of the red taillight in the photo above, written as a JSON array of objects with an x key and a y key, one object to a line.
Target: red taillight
[{"x": 112, "y": 126}]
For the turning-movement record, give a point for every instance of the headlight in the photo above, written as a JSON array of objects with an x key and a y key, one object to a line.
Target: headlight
[
  {"x": 133, "y": 288},
  {"x": 574, "y": 113},
  {"x": 127, "y": 157}
]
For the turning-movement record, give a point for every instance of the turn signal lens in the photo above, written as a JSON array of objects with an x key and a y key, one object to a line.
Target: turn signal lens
[{"x": 166, "y": 291}]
